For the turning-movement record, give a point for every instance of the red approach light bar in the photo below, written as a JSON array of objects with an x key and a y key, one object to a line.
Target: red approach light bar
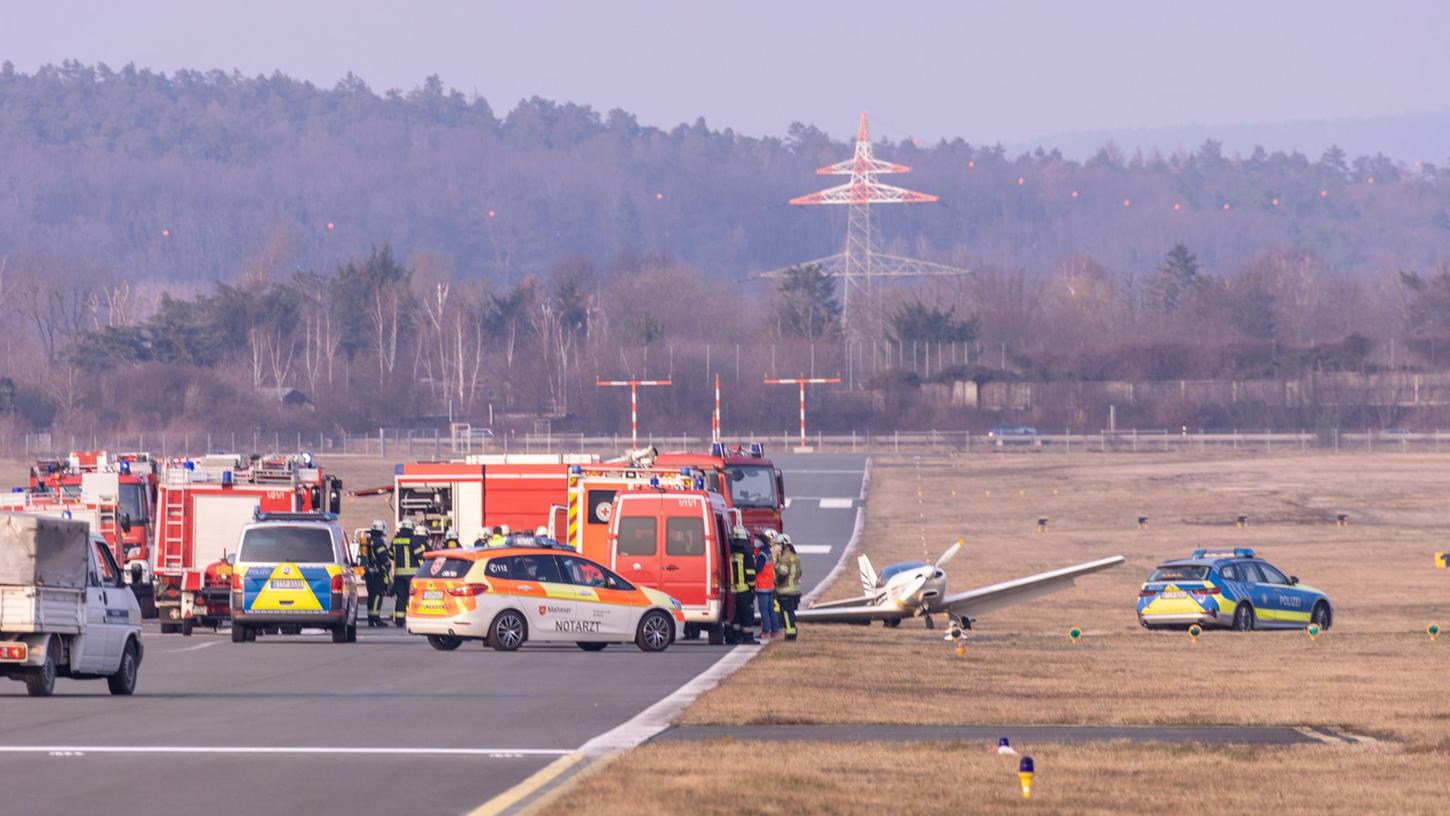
[
  {"x": 802, "y": 382},
  {"x": 633, "y": 386}
]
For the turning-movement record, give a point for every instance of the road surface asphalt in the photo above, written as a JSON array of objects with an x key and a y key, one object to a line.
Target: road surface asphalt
[{"x": 384, "y": 725}]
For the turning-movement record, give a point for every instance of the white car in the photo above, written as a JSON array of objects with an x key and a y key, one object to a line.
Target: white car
[
  {"x": 506, "y": 596},
  {"x": 65, "y": 608}
]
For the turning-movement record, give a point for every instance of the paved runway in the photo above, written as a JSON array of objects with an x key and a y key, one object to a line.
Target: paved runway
[{"x": 384, "y": 725}]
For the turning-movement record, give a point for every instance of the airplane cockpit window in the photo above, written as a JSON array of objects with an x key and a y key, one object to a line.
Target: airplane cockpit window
[{"x": 896, "y": 569}]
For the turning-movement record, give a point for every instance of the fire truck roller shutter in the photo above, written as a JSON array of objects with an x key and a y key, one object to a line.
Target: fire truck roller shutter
[{"x": 218, "y": 524}]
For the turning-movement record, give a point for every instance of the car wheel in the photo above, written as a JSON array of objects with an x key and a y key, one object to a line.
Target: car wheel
[
  {"x": 591, "y": 646},
  {"x": 186, "y": 627},
  {"x": 508, "y": 632},
  {"x": 239, "y": 633},
  {"x": 656, "y": 632},
  {"x": 40, "y": 681},
  {"x": 1244, "y": 618},
  {"x": 1321, "y": 616},
  {"x": 123, "y": 682},
  {"x": 891, "y": 624},
  {"x": 339, "y": 633},
  {"x": 716, "y": 635},
  {"x": 444, "y": 643}
]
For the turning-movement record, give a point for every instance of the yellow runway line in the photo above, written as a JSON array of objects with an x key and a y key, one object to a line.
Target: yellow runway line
[{"x": 536, "y": 780}]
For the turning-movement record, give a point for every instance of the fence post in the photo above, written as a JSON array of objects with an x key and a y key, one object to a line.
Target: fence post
[
  {"x": 896, "y": 441},
  {"x": 435, "y": 443},
  {"x": 382, "y": 444}
]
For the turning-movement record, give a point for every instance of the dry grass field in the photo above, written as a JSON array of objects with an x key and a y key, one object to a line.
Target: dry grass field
[
  {"x": 874, "y": 778},
  {"x": 1375, "y": 672}
]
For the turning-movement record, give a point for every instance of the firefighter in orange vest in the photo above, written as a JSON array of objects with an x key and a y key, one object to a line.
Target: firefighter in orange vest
[{"x": 765, "y": 588}]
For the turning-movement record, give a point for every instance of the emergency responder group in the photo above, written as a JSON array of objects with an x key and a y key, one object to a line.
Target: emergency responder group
[
  {"x": 765, "y": 578},
  {"x": 765, "y": 575}
]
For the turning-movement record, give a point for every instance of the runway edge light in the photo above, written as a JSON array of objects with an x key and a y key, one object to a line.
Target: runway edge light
[
  {"x": 1025, "y": 775},
  {"x": 1075, "y": 634}
]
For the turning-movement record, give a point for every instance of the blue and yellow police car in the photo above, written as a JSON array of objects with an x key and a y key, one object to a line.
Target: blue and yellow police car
[{"x": 1231, "y": 589}]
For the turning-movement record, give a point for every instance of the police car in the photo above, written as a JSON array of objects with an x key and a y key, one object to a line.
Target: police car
[
  {"x": 506, "y": 596},
  {"x": 1232, "y": 589},
  {"x": 293, "y": 570}
]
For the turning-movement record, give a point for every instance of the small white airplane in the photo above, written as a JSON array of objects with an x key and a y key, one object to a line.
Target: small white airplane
[{"x": 918, "y": 589}]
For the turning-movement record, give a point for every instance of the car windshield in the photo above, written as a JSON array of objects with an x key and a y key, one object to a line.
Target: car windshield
[
  {"x": 1185, "y": 572},
  {"x": 275, "y": 544},
  {"x": 896, "y": 569},
  {"x": 439, "y": 567},
  {"x": 751, "y": 486}
]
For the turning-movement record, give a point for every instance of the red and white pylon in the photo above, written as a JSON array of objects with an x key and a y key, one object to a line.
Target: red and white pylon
[
  {"x": 633, "y": 402},
  {"x": 802, "y": 382},
  {"x": 715, "y": 419}
]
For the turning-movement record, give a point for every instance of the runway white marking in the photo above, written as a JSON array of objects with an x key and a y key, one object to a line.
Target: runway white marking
[
  {"x": 198, "y": 646},
  {"x": 836, "y": 472},
  {"x": 1319, "y": 735},
  {"x": 79, "y": 750},
  {"x": 837, "y": 504},
  {"x": 813, "y": 549}
]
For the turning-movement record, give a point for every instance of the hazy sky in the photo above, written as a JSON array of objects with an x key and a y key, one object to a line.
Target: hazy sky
[{"x": 987, "y": 71}]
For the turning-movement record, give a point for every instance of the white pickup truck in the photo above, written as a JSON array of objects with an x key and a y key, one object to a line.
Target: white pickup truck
[{"x": 65, "y": 609}]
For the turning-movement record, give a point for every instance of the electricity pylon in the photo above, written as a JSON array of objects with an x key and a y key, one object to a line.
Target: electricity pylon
[{"x": 861, "y": 261}]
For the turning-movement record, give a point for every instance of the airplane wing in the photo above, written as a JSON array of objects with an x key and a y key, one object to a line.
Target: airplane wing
[
  {"x": 860, "y": 613},
  {"x": 864, "y": 600},
  {"x": 975, "y": 602}
]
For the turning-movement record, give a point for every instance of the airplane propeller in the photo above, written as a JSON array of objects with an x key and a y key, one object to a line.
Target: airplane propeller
[{"x": 950, "y": 553}]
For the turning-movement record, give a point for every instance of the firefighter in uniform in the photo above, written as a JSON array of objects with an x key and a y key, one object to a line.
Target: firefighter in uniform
[
  {"x": 377, "y": 563},
  {"x": 450, "y": 539},
  {"x": 408, "y": 549},
  {"x": 787, "y": 584},
  {"x": 742, "y": 587}
]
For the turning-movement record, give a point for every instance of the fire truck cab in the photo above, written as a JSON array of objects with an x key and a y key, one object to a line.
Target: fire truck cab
[
  {"x": 202, "y": 506},
  {"x": 115, "y": 493},
  {"x": 748, "y": 481},
  {"x": 676, "y": 541}
]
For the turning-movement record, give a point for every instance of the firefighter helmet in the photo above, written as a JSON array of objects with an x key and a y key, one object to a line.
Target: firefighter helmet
[
  {"x": 405, "y": 524},
  {"x": 541, "y": 532},
  {"x": 378, "y": 525},
  {"x": 740, "y": 532},
  {"x": 503, "y": 530}
]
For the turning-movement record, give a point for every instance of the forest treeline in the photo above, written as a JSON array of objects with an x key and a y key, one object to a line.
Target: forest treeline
[{"x": 181, "y": 251}]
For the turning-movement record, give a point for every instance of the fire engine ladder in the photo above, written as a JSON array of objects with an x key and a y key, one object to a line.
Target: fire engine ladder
[
  {"x": 110, "y": 530},
  {"x": 174, "y": 521}
]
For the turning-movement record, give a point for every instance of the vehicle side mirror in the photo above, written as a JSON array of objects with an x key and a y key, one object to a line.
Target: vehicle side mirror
[
  {"x": 125, "y": 522},
  {"x": 1294, "y": 579}
]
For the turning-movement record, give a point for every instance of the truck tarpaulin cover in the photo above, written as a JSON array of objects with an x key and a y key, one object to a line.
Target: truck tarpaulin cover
[{"x": 43, "y": 551}]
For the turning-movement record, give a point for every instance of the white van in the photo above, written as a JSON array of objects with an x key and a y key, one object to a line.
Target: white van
[{"x": 65, "y": 608}]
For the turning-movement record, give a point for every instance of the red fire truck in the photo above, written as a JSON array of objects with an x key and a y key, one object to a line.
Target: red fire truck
[
  {"x": 114, "y": 492},
  {"x": 483, "y": 491},
  {"x": 747, "y": 480},
  {"x": 202, "y": 505}
]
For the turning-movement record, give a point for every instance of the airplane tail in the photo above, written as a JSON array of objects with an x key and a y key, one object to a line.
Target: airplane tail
[{"x": 868, "y": 575}]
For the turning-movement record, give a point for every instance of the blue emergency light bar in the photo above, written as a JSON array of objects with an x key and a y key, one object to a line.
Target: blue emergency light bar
[
  {"x": 125, "y": 467},
  {"x": 575, "y": 470},
  {"x": 258, "y": 515},
  {"x": 757, "y": 449},
  {"x": 1237, "y": 552},
  {"x": 717, "y": 449}
]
